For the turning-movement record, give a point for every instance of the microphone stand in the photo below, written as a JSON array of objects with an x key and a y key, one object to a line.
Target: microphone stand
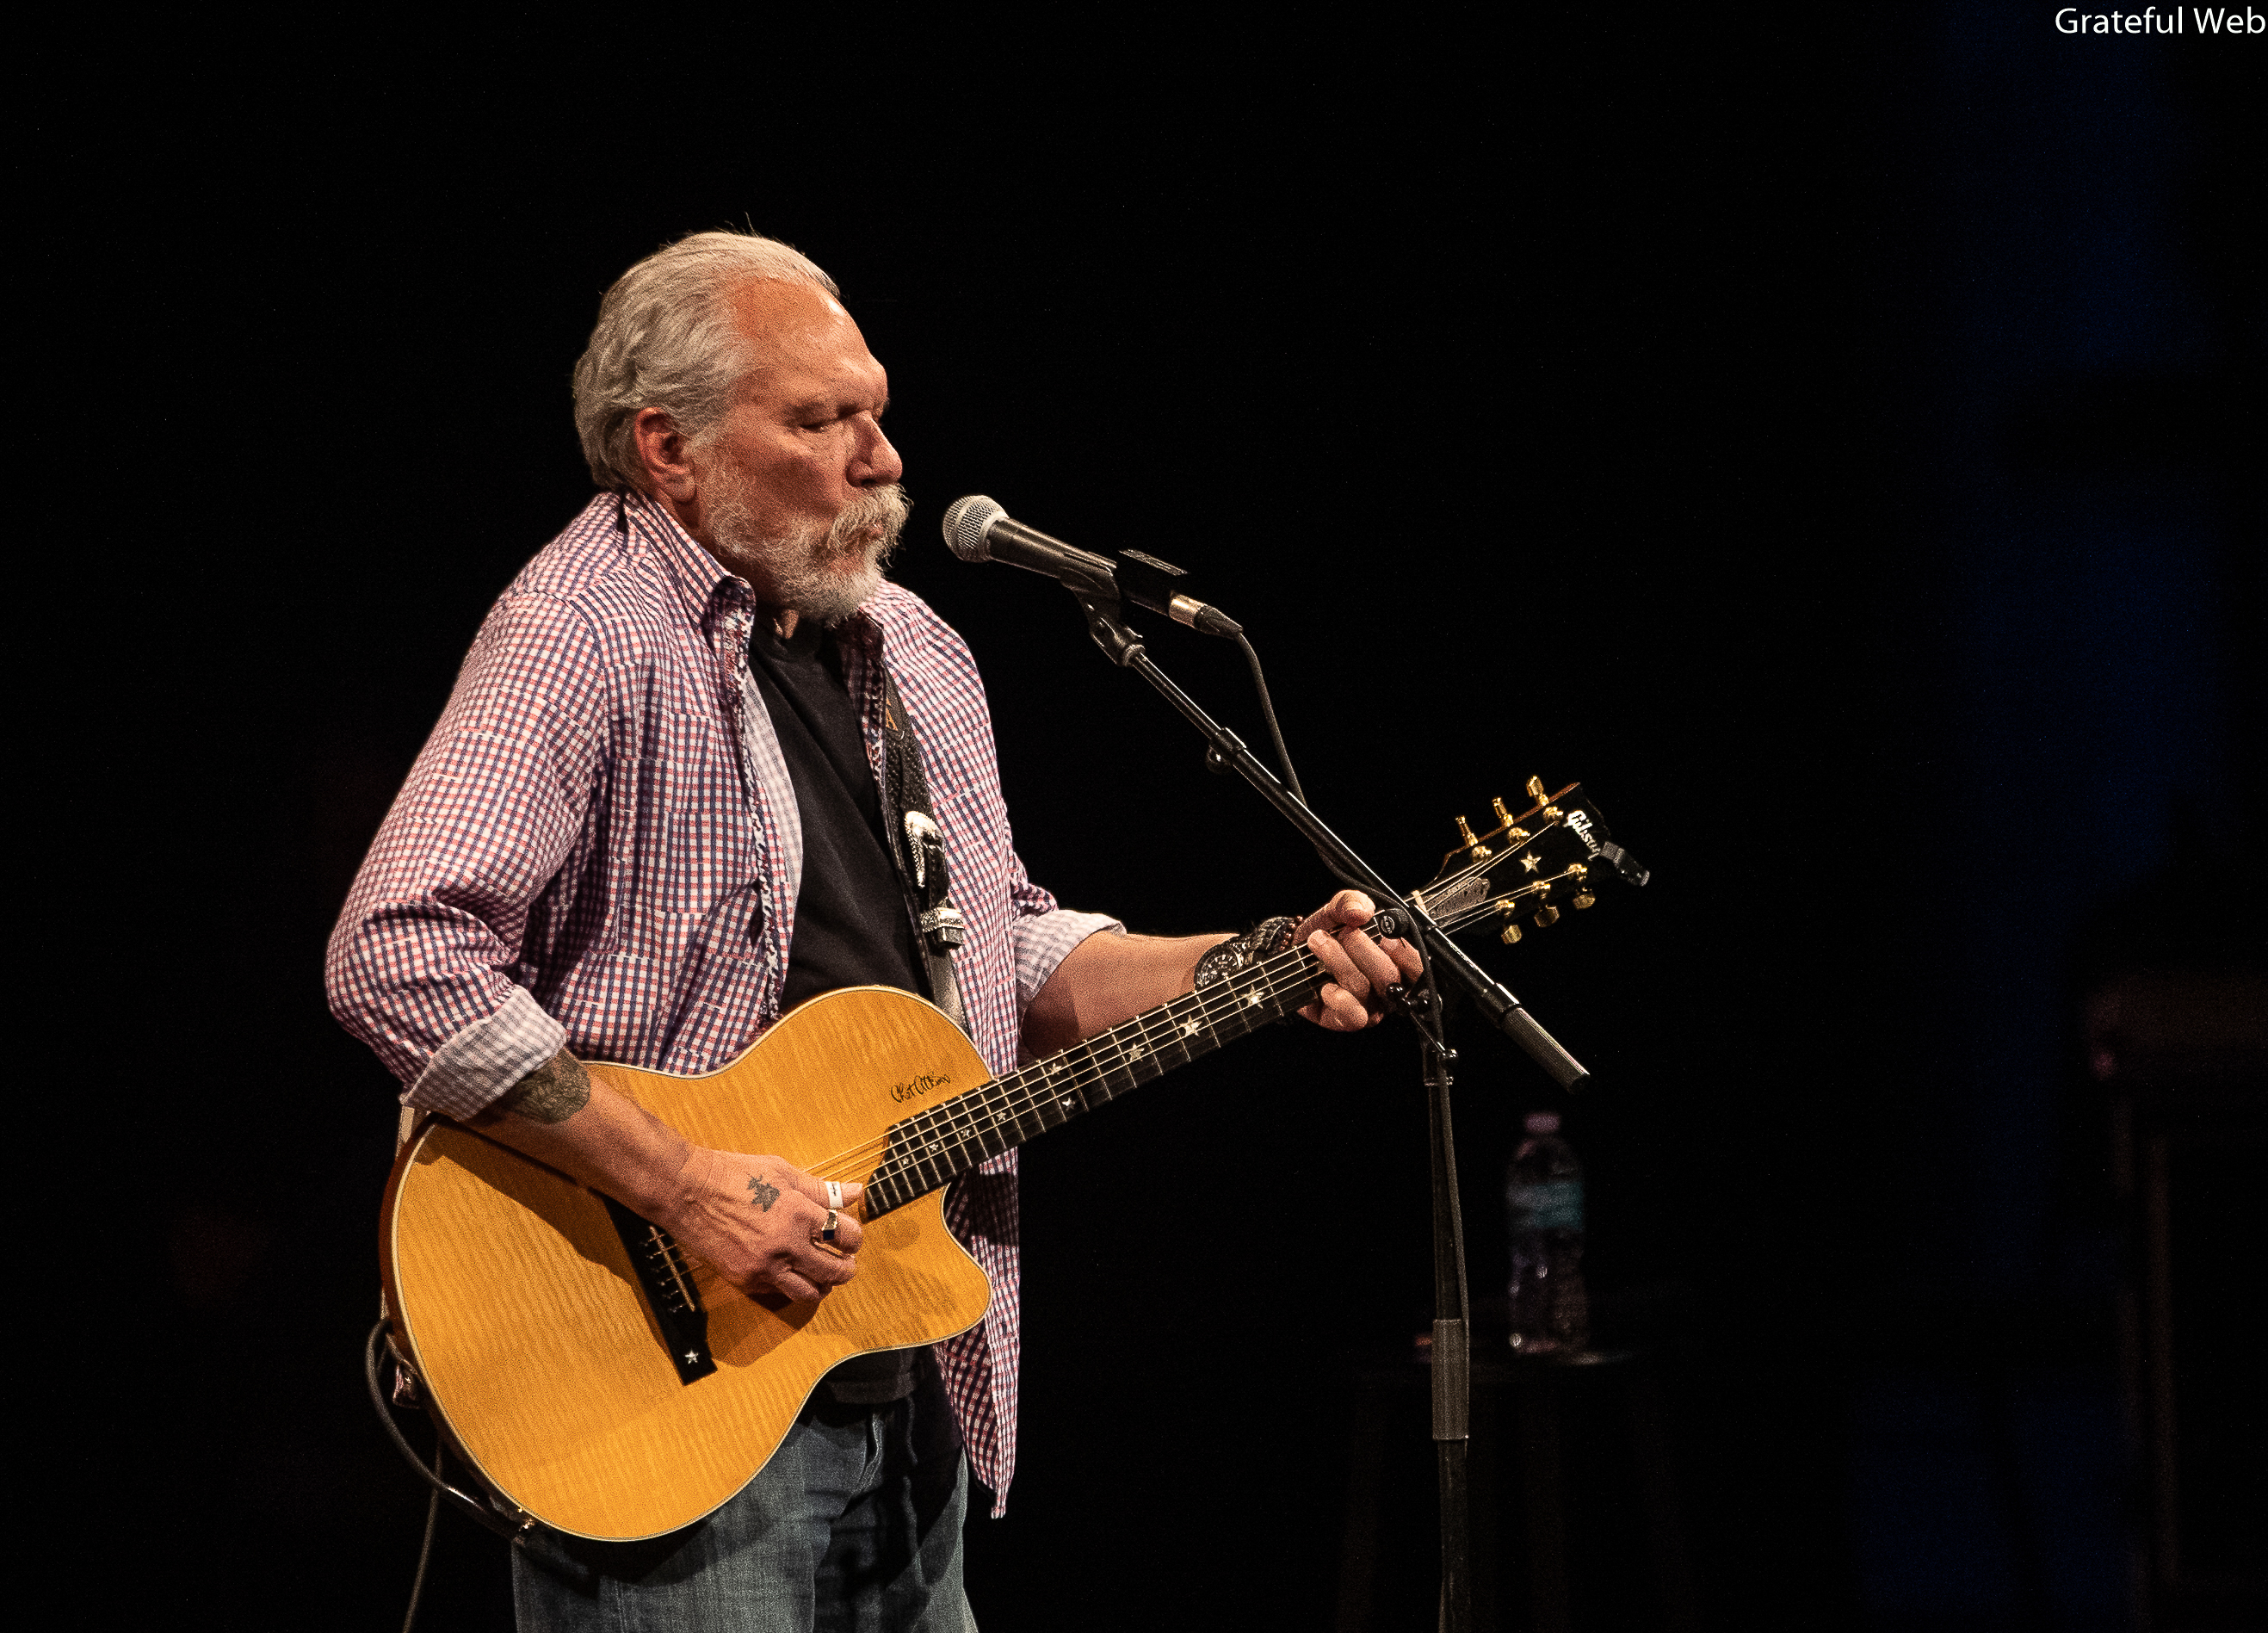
[{"x": 1452, "y": 1381}]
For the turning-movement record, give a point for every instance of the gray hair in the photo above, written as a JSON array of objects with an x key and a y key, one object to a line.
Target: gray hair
[{"x": 665, "y": 340}]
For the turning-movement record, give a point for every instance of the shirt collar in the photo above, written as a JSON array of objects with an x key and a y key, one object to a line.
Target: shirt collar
[{"x": 706, "y": 587}]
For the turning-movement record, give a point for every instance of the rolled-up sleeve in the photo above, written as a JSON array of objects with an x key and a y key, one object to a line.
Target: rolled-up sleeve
[
  {"x": 1041, "y": 934},
  {"x": 418, "y": 964}
]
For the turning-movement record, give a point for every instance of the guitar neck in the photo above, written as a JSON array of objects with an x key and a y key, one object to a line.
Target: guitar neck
[{"x": 936, "y": 1145}]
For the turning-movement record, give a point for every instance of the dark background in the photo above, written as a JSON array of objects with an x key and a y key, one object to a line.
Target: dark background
[{"x": 1831, "y": 438}]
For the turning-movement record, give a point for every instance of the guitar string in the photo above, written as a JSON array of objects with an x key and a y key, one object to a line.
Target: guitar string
[
  {"x": 1449, "y": 881},
  {"x": 1021, "y": 1093},
  {"x": 1033, "y": 1089},
  {"x": 996, "y": 1097},
  {"x": 1014, "y": 1098},
  {"x": 1028, "y": 1093},
  {"x": 1038, "y": 1093},
  {"x": 1018, "y": 1096}
]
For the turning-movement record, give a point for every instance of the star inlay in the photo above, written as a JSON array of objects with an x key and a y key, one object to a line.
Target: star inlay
[
  {"x": 1137, "y": 1052},
  {"x": 1531, "y": 862},
  {"x": 1190, "y": 1027},
  {"x": 1252, "y": 999}
]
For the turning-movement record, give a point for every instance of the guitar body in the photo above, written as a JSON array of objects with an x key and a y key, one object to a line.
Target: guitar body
[{"x": 511, "y": 1293}]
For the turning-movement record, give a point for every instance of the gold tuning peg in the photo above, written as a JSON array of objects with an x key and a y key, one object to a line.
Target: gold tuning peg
[
  {"x": 1583, "y": 898},
  {"x": 1473, "y": 847},
  {"x": 1509, "y": 935},
  {"x": 1512, "y": 836},
  {"x": 1546, "y": 917},
  {"x": 1535, "y": 789}
]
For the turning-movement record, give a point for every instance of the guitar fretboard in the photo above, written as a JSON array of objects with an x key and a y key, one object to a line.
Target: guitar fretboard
[{"x": 934, "y": 1146}]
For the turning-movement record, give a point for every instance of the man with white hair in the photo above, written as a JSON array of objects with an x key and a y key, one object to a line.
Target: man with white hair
[{"x": 655, "y": 817}]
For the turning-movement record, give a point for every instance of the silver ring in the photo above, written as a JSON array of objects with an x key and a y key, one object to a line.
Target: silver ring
[
  {"x": 826, "y": 1231},
  {"x": 835, "y": 1193}
]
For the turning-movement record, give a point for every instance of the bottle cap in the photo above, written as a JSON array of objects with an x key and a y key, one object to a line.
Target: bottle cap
[{"x": 1543, "y": 1123}]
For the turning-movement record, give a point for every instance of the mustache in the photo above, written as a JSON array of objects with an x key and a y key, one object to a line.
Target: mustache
[{"x": 877, "y": 511}]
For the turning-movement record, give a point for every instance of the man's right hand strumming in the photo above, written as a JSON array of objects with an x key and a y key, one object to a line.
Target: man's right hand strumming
[{"x": 756, "y": 1219}]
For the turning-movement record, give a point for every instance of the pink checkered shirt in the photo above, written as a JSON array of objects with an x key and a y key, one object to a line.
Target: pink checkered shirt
[{"x": 599, "y": 850}]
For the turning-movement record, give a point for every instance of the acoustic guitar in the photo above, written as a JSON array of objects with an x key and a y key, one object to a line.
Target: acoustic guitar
[{"x": 604, "y": 1383}]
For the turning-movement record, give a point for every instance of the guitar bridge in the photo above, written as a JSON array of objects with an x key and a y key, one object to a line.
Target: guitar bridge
[{"x": 659, "y": 1266}]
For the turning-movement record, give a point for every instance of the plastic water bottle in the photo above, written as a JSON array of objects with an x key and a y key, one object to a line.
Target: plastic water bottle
[{"x": 1544, "y": 1203}]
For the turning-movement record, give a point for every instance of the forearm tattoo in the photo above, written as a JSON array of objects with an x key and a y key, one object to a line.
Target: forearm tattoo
[{"x": 552, "y": 1093}]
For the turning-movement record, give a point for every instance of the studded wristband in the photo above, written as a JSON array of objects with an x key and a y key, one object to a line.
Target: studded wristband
[{"x": 1240, "y": 952}]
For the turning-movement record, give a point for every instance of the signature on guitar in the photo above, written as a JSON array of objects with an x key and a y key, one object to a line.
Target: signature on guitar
[{"x": 914, "y": 1087}]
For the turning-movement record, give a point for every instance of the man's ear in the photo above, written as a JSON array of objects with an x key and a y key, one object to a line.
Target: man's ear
[{"x": 662, "y": 452}]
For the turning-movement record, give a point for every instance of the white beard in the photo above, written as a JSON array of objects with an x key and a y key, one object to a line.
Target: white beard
[{"x": 820, "y": 570}]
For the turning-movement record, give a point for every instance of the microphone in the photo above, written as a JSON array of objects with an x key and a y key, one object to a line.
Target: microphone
[{"x": 979, "y": 530}]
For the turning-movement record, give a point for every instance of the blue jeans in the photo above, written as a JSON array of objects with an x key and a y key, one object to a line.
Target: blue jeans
[{"x": 854, "y": 1526}]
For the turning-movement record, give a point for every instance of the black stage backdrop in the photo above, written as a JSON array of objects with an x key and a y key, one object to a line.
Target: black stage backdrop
[{"x": 1817, "y": 434}]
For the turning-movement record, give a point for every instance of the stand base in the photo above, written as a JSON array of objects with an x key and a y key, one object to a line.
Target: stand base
[{"x": 1575, "y": 1515}]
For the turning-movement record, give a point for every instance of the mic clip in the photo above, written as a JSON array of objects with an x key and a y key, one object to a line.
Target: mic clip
[
  {"x": 1146, "y": 581},
  {"x": 1104, "y": 626}
]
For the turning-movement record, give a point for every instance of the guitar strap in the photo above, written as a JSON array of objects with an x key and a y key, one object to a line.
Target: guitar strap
[{"x": 917, "y": 847}]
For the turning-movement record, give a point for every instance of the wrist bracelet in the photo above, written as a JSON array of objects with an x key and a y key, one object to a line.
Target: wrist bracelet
[{"x": 1240, "y": 952}]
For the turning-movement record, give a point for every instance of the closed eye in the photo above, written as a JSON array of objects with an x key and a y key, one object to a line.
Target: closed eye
[{"x": 815, "y": 418}]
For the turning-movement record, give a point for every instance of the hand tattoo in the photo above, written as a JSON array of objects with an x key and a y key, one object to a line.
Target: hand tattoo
[
  {"x": 762, "y": 1194},
  {"x": 552, "y": 1093}
]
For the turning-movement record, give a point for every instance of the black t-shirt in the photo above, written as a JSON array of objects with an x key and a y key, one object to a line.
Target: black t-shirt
[{"x": 851, "y": 925}]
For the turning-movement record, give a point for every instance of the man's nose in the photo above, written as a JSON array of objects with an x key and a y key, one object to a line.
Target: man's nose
[{"x": 876, "y": 463}]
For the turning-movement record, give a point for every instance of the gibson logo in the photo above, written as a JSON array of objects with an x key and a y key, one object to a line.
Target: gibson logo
[
  {"x": 1580, "y": 826},
  {"x": 903, "y": 1091}
]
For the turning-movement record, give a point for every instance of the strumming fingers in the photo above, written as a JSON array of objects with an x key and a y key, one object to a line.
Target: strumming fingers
[
  {"x": 849, "y": 1234},
  {"x": 838, "y": 1193},
  {"x": 816, "y": 1272},
  {"x": 824, "y": 1264}
]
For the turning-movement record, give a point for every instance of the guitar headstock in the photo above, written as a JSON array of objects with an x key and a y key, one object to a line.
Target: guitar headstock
[{"x": 1531, "y": 864}]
